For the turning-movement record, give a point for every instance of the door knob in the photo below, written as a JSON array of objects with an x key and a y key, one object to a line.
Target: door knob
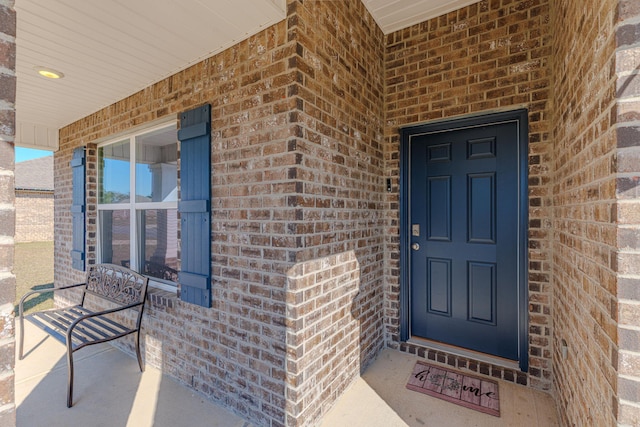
[{"x": 415, "y": 246}]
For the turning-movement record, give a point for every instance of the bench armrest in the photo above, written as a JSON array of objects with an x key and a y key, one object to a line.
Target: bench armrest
[
  {"x": 39, "y": 291},
  {"x": 96, "y": 314}
]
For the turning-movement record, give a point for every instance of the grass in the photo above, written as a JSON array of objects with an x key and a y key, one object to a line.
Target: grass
[{"x": 33, "y": 267}]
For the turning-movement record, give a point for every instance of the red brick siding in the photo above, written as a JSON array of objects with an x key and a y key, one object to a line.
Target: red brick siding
[
  {"x": 34, "y": 216},
  {"x": 62, "y": 234},
  {"x": 584, "y": 188},
  {"x": 335, "y": 290},
  {"x": 296, "y": 183},
  {"x": 626, "y": 116},
  {"x": 7, "y": 210},
  {"x": 305, "y": 237},
  {"x": 235, "y": 351},
  {"x": 492, "y": 55}
]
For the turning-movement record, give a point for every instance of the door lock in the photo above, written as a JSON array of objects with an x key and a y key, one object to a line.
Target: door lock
[{"x": 415, "y": 246}]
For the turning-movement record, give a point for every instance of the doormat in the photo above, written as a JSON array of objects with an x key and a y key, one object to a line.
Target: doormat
[{"x": 455, "y": 387}]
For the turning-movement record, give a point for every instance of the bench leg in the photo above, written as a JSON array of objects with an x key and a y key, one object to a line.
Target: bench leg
[
  {"x": 138, "y": 351},
  {"x": 21, "y": 338},
  {"x": 69, "y": 376}
]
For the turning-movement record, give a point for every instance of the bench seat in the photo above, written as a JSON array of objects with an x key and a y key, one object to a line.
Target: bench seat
[{"x": 92, "y": 331}]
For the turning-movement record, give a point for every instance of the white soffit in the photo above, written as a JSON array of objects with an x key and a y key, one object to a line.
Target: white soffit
[
  {"x": 110, "y": 49},
  {"x": 393, "y": 15}
]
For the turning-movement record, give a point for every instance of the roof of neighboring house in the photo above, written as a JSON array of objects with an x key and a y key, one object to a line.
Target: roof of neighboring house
[{"x": 36, "y": 174}]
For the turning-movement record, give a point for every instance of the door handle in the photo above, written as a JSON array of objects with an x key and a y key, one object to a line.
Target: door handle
[{"x": 415, "y": 246}]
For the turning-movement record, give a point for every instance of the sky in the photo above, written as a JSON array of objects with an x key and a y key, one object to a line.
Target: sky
[{"x": 23, "y": 154}]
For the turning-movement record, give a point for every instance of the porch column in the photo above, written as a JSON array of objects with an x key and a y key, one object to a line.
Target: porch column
[
  {"x": 628, "y": 209},
  {"x": 7, "y": 210}
]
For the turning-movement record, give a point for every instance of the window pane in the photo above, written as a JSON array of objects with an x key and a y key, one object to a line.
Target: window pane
[
  {"x": 114, "y": 237},
  {"x": 113, "y": 169},
  {"x": 158, "y": 243},
  {"x": 156, "y": 166}
]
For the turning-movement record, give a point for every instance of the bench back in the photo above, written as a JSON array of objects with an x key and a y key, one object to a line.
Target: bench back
[{"x": 116, "y": 284}]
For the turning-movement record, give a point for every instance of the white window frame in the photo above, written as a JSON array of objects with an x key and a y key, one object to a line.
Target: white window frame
[{"x": 134, "y": 206}]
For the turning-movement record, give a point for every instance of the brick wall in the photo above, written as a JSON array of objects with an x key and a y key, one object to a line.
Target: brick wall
[
  {"x": 235, "y": 351},
  {"x": 7, "y": 211},
  {"x": 490, "y": 56},
  {"x": 584, "y": 188},
  {"x": 626, "y": 117},
  {"x": 301, "y": 217},
  {"x": 305, "y": 239},
  {"x": 297, "y": 187},
  {"x": 34, "y": 216},
  {"x": 335, "y": 292},
  {"x": 62, "y": 229}
]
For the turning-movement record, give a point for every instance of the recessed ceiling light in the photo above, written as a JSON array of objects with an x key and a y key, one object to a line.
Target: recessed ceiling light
[{"x": 49, "y": 73}]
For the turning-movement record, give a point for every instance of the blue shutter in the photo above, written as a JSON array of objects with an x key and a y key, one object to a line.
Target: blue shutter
[
  {"x": 195, "y": 205},
  {"x": 78, "y": 208}
]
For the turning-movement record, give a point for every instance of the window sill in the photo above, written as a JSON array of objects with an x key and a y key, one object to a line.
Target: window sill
[
  {"x": 161, "y": 297},
  {"x": 163, "y": 285}
]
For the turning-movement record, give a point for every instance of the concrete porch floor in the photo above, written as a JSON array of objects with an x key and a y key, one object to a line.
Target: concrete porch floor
[
  {"x": 379, "y": 398},
  {"x": 110, "y": 391}
]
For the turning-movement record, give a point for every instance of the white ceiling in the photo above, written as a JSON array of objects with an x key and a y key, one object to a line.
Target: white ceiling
[
  {"x": 393, "y": 15},
  {"x": 110, "y": 49}
]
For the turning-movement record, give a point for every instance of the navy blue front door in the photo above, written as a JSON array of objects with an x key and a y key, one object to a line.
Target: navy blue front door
[{"x": 465, "y": 237}]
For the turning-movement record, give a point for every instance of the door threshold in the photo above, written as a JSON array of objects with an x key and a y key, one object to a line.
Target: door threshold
[{"x": 470, "y": 354}]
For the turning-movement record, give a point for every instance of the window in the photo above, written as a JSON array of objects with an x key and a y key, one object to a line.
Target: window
[{"x": 137, "y": 203}]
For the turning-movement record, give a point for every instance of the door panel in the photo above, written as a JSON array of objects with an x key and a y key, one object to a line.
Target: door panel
[
  {"x": 439, "y": 218},
  {"x": 464, "y": 273},
  {"x": 481, "y": 212},
  {"x": 482, "y": 292},
  {"x": 439, "y": 286}
]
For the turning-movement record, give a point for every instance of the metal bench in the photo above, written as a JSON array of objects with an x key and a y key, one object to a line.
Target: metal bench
[{"x": 77, "y": 327}]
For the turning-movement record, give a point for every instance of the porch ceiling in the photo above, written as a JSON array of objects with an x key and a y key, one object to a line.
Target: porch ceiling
[
  {"x": 393, "y": 15},
  {"x": 109, "y": 50}
]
